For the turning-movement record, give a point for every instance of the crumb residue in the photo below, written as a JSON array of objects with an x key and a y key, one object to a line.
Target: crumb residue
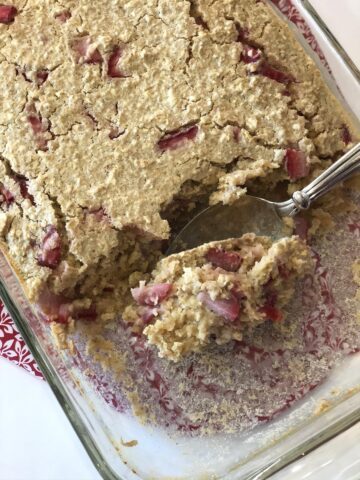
[
  {"x": 130, "y": 443},
  {"x": 322, "y": 407}
]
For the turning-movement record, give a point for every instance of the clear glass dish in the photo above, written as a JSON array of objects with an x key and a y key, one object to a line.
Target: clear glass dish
[{"x": 106, "y": 432}]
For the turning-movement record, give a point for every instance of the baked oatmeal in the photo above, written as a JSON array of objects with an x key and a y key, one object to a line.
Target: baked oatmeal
[
  {"x": 215, "y": 291},
  {"x": 117, "y": 117}
]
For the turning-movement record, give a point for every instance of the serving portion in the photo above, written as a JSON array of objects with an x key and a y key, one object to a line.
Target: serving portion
[{"x": 216, "y": 291}]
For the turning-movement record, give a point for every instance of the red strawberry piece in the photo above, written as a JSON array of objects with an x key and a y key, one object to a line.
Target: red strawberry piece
[
  {"x": 236, "y": 134},
  {"x": 22, "y": 182},
  {"x": 227, "y": 308},
  {"x": 301, "y": 227},
  {"x": 50, "y": 250},
  {"x": 59, "y": 309},
  {"x": 63, "y": 16},
  {"x": 86, "y": 51},
  {"x": 36, "y": 123},
  {"x": 55, "y": 308},
  {"x": 114, "y": 70},
  {"x": 272, "y": 313},
  {"x": 236, "y": 292},
  {"x": 7, "y": 196},
  {"x": 346, "y": 135},
  {"x": 147, "y": 314},
  {"x": 250, "y": 54},
  {"x": 273, "y": 73},
  {"x": 41, "y": 76},
  {"x": 38, "y": 126},
  {"x": 7, "y": 13},
  {"x": 227, "y": 260},
  {"x": 151, "y": 295},
  {"x": 99, "y": 214},
  {"x": 64, "y": 313},
  {"x": 296, "y": 164},
  {"x": 176, "y": 139}
]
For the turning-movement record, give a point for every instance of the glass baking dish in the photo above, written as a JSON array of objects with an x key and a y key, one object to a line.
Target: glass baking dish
[{"x": 121, "y": 447}]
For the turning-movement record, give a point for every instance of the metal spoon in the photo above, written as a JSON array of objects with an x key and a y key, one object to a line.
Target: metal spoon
[{"x": 253, "y": 214}]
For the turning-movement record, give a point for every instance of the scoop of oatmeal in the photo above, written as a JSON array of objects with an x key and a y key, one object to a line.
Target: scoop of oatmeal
[{"x": 216, "y": 291}]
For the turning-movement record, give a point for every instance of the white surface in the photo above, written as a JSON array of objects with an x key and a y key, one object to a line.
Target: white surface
[{"x": 37, "y": 441}]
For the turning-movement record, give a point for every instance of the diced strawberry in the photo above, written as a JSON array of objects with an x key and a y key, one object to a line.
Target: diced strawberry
[
  {"x": 38, "y": 126},
  {"x": 227, "y": 260},
  {"x": 227, "y": 308},
  {"x": 59, "y": 309},
  {"x": 55, "y": 308},
  {"x": 147, "y": 314},
  {"x": 50, "y": 250},
  {"x": 86, "y": 51},
  {"x": 99, "y": 214},
  {"x": 272, "y": 313},
  {"x": 346, "y": 135},
  {"x": 236, "y": 134},
  {"x": 6, "y": 195},
  {"x": 7, "y": 13},
  {"x": 301, "y": 227},
  {"x": 63, "y": 16},
  {"x": 296, "y": 164},
  {"x": 250, "y": 54},
  {"x": 36, "y": 123},
  {"x": 176, "y": 139},
  {"x": 22, "y": 181},
  {"x": 236, "y": 292},
  {"x": 151, "y": 295},
  {"x": 114, "y": 70},
  {"x": 64, "y": 313},
  {"x": 273, "y": 73},
  {"x": 41, "y": 76}
]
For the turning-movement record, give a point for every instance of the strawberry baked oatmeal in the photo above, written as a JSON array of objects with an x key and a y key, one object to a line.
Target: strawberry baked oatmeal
[
  {"x": 215, "y": 291},
  {"x": 117, "y": 120}
]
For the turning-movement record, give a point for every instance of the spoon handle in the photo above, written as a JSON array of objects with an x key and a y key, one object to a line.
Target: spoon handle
[{"x": 347, "y": 166}]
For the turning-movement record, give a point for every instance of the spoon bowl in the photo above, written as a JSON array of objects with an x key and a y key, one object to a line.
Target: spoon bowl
[
  {"x": 219, "y": 222},
  {"x": 260, "y": 216}
]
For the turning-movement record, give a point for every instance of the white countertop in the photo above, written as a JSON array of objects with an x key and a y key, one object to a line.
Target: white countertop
[{"x": 37, "y": 441}]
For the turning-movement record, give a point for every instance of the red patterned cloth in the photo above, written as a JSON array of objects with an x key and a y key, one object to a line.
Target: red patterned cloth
[{"x": 12, "y": 346}]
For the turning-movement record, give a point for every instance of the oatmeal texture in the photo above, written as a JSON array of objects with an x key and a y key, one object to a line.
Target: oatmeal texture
[
  {"x": 111, "y": 111},
  {"x": 215, "y": 291}
]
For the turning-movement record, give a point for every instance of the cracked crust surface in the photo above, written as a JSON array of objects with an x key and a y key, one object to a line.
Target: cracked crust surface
[
  {"x": 108, "y": 110},
  {"x": 216, "y": 291}
]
